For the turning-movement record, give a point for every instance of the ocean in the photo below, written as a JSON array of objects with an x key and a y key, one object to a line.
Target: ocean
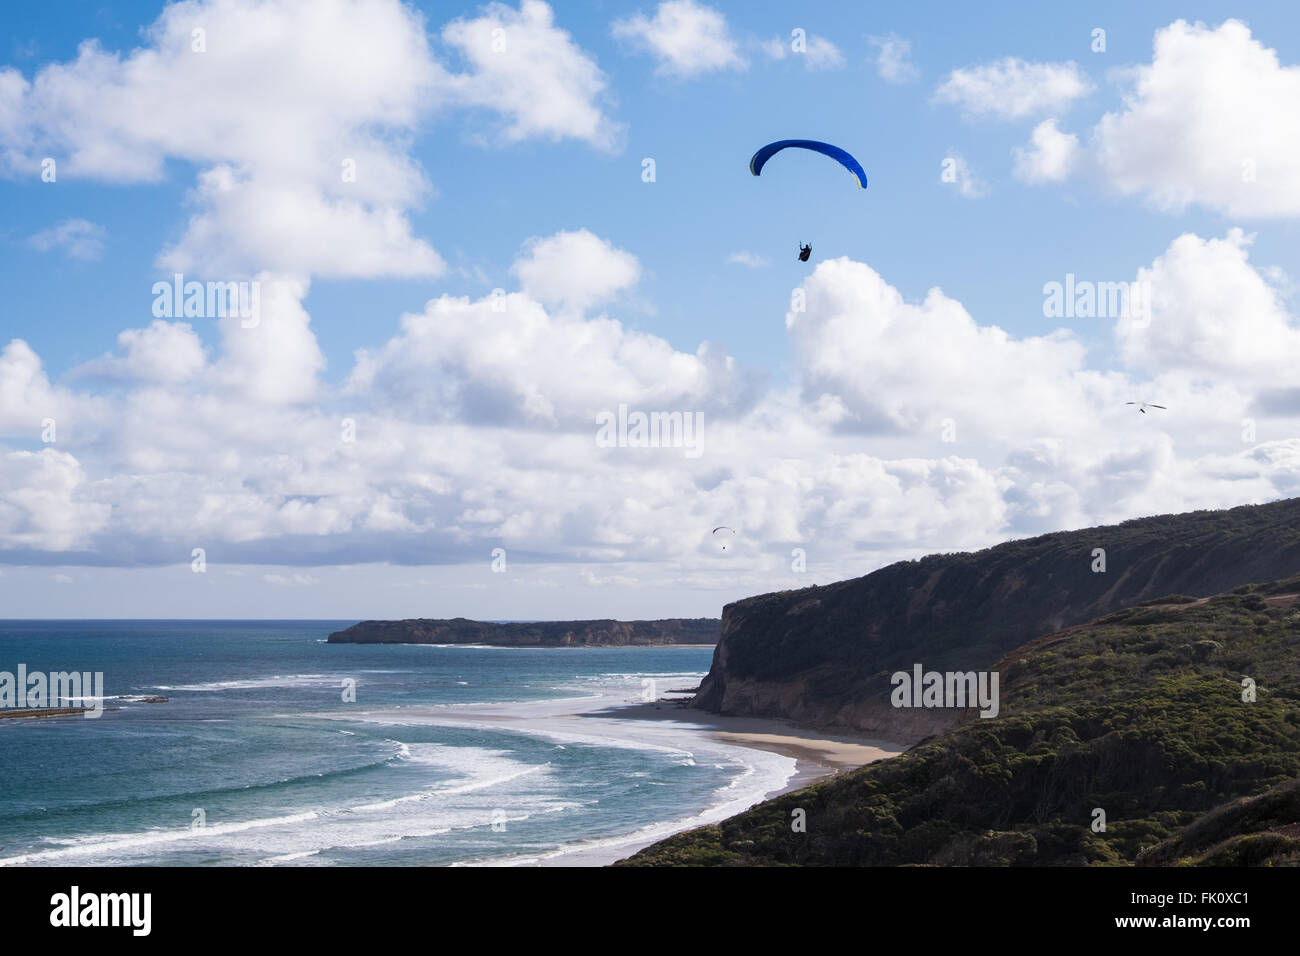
[{"x": 449, "y": 755}]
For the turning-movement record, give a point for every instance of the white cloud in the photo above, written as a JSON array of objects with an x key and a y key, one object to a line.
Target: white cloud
[
  {"x": 474, "y": 428},
  {"x": 687, "y": 38},
  {"x": 507, "y": 361},
  {"x": 874, "y": 362},
  {"x": 277, "y": 360},
  {"x": 956, "y": 171},
  {"x": 817, "y": 53},
  {"x": 576, "y": 270},
  {"x": 317, "y": 156},
  {"x": 271, "y": 358},
  {"x": 1212, "y": 121},
  {"x": 77, "y": 238},
  {"x": 270, "y": 133},
  {"x": 28, "y": 398},
  {"x": 1050, "y": 156},
  {"x": 1013, "y": 89},
  {"x": 302, "y": 230},
  {"x": 1214, "y": 316},
  {"x": 44, "y": 505},
  {"x": 893, "y": 58},
  {"x": 746, "y": 258},
  {"x": 165, "y": 353},
  {"x": 531, "y": 71}
]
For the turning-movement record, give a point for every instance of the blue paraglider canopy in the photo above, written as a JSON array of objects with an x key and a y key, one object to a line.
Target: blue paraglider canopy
[{"x": 826, "y": 149}]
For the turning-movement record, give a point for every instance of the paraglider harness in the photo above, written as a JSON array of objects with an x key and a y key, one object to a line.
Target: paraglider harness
[{"x": 804, "y": 252}]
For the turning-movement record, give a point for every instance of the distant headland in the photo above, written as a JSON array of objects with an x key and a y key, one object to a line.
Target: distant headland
[{"x": 676, "y": 630}]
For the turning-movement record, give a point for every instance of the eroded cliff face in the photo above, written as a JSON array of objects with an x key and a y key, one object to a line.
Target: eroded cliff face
[
  {"x": 538, "y": 634},
  {"x": 1138, "y": 711},
  {"x": 823, "y": 656}
]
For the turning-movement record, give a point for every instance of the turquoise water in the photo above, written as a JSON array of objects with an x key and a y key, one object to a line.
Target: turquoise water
[{"x": 257, "y": 744}]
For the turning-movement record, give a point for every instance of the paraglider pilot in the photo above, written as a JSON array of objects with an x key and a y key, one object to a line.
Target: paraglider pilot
[{"x": 804, "y": 252}]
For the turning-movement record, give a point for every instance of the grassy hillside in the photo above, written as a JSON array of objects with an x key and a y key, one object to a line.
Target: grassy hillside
[
  {"x": 1139, "y": 713},
  {"x": 1263, "y": 830}
]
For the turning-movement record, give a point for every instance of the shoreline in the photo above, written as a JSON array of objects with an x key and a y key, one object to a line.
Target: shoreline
[
  {"x": 819, "y": 753},
  {"x": 783, "y": 757}
]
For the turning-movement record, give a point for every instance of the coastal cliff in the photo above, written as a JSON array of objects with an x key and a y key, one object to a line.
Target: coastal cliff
[
  {"x": 1133, "y": 739},
  {"x": 822, "y": 656},
  {"x": 460, "y": 630}
]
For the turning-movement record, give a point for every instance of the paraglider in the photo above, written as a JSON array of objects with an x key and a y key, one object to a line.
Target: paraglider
[
  {"x": 1143, "y": 406},
  {"x": 723, "y": 527},
  {"x": 843, "y": 157}
]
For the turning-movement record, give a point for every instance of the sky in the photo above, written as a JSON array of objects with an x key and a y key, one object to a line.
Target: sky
[{"x": 472, "y": 235}]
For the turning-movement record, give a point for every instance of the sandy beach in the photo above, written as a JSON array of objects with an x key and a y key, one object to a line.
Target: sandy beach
[{"x": 819, "y": 753}]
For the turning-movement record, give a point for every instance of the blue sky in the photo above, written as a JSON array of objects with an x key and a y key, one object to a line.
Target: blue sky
[
  {"x": 486, "y": 192},
  {"x": 701, "y": 133}
]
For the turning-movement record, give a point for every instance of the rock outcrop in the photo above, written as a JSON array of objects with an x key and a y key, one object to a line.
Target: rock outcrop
[{"x": 823, "y": 656}]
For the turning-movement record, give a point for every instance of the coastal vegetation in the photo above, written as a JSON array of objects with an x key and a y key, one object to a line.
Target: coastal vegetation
[{"x": 1165, "y": 733}]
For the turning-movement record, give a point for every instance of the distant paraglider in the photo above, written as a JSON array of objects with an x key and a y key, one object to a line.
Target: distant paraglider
[
  {"x": 1143, "y": 406},
  {"x": 804, "y": 252},
  {"x": 723, "y": 527}
]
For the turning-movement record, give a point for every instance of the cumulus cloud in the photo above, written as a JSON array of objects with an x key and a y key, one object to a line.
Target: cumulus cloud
[
  {"x": 25, "y": 392},
  {"x": 893, "y": 58},
  {"x": 76, "y": 238},
  {"x": 687, "y": 38},
  {"x": 44, "y": 505},
  {"x": 317, "y": 156},
  {"x": 1211, "y": 121},
  {"x": 164, "y": 353},
  {"x": 1013, "y": 89},
  {"x": 533, "y": 73},
  {"x": 301, "y": 230},
  {"x": 909, "y": 424},
  {"x": 271, "y": 133},
  {"x": 914, "y": 426},
  {"x": 507, "y": 361},
  {"x": 275, "y": 359},
  {"x": 1050, "y": 156},
  {"x": 575, "y": 270},
  {"x": 816, "y": 52},
  {"x": 28, "y": 398},
  {"x": 874, "y": 362},
  {"x": 1213, "y": 315}
]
